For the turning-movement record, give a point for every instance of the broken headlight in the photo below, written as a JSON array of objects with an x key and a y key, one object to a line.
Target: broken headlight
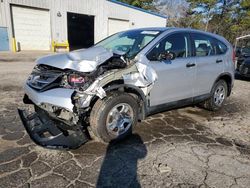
[{"x": 78, "y": 81}]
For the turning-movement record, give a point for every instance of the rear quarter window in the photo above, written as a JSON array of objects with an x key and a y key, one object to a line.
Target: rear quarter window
[{"x": 222, "y": 48}]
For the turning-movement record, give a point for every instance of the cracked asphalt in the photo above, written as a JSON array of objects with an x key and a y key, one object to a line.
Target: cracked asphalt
[{"x": 188, "y": 147}]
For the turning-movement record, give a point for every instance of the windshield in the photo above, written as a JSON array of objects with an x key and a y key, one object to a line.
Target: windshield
[
  {"x": 243, "y": 47},
  {"x": 129, "y": 42}
]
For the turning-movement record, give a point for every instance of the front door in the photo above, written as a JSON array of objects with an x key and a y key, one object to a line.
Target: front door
[
  {"x": 4, "y": 39},
  {"x": 175, "y": 77}
]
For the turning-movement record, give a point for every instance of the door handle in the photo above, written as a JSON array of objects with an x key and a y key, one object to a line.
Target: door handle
[
  {"x": 219, "y": 61},
  {"x": 190, "y": 65}
]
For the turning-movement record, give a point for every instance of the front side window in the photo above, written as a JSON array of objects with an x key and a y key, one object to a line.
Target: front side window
[
  {"x": 129, "y": 42},
  {"x": 175, "y": 43}
]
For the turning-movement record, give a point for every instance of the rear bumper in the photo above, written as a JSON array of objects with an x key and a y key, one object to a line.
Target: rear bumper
[{"x": 48, "y": 133}]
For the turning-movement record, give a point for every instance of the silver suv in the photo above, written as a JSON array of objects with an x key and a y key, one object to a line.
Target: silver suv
[{"x": 105, "y": 90}]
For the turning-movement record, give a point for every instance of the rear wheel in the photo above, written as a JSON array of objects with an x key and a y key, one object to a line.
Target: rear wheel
[
  {"x": 114, "y": 117},
  {"x": 218, "y": 96}
]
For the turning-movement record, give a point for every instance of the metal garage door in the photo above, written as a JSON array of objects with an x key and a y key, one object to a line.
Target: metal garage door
[
  {"x": 116, "y": 25},
  {"x": 31, "y": 28}
]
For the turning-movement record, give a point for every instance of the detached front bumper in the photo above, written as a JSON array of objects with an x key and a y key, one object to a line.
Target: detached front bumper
[
  {"x": 60, "y": 97},
  {"x": 53, "y": 124},
  {"x": 51, "y": 134}
]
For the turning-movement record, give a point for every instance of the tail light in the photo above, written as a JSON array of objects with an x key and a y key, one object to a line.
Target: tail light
[{"x": 233, "y": 56}]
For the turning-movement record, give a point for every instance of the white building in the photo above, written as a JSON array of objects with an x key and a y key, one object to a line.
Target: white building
[{"x": 44, "y": 24}]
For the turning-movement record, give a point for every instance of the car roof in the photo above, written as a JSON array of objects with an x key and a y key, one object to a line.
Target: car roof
[
  {"x": 171, "y": 28},
  {"x": 152, "y": 29},
  {"x": 164, "y": 29}
]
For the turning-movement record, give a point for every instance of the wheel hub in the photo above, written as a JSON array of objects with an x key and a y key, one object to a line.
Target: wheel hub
[
  {"x": 119, "y": 119},
  {"x": 219, "y": 95}
]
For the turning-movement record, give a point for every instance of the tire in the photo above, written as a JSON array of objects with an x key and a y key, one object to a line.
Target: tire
[
  {"x": 214, "y": 103},
  {"x": 114, "y": 110}
]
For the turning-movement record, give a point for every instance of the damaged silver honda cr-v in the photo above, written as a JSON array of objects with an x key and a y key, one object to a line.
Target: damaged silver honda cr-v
[{"x": 122, "y": 79}]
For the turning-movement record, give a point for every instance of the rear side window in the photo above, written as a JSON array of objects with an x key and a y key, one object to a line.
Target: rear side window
[{"x": 205, "y": 45}]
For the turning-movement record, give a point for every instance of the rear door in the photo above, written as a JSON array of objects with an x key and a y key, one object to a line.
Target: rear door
[
  {"x": 209, "y": 62},
  {"x": 175, "y": 78}
]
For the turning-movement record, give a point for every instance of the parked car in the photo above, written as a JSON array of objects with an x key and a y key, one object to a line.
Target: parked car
[
  {"x": 109, "y": 87},
  {"x": 243, "y": 61}
]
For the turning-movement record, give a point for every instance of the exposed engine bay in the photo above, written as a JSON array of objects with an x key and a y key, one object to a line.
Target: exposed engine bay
[{"x": 45, "y": 77}]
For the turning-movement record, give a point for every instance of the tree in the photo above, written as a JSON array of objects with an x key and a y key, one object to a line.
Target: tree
[
  {"x": 245, "y": 17},
  {"x": 173, "y": 9},
  {"x": 225, "y": 18},
  {"x": 204, "y": 8},
  {"x": 145, "y": 4},
  {"x": 229, "y": 18}
]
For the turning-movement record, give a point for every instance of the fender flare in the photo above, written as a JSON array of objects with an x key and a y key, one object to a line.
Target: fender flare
[{"x": 230, "y": 84}]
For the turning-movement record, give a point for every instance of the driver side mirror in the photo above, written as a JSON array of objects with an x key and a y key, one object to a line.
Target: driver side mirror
[{"x": 166, "y": 56}]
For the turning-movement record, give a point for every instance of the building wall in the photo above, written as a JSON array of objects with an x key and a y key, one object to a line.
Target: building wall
[
  {"x": 101, "y": 9},
  {"x": 87, "y": 7},
  {"x": 141, "y": 19},
  {"x": 6, "y": 11},
  {"x": 2, "y": 15},
  {"x": 136, "y": 18},
  {"x": 59, "y": 24}
]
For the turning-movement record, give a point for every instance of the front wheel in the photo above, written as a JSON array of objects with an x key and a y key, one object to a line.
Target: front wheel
[
  {"x": 114, "y": 117},
  {"x": 218, "y": 96}
]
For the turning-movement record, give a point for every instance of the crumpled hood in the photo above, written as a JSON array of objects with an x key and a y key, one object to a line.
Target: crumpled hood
[{"x": 85, "y": 60}]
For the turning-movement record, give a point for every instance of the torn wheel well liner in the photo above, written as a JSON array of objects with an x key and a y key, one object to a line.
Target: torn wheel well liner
[{"x": 133, "y": 90}]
